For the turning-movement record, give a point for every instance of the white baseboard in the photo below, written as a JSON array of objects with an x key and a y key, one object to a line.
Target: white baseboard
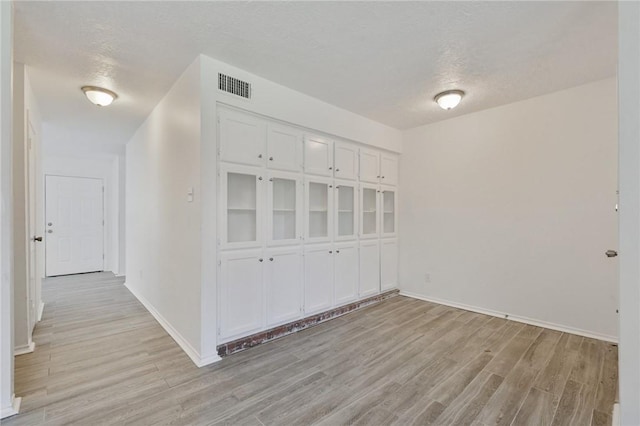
[
  {"x": 25, "y": 349},
  {"x": 40, "y": 311},
  {"x": 615, "y": 417},
  {"x": 525, "y": 320},
  {"x": 198, "y": 360},
  {"x": 13, "y": 409}
]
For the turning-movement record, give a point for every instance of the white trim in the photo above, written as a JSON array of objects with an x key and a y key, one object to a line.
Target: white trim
[
  {"x": 13, "y": 409},
  {"x": 525, "y": 320},
  {"x": 40, "y": 311},
  {"x": 25, "y": 349},
  {"x": 197, "y": 359},
  {"x": 615, "y": 417}
]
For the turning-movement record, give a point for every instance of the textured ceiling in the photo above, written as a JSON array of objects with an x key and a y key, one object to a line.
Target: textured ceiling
[{"x": 382, "y": 60}]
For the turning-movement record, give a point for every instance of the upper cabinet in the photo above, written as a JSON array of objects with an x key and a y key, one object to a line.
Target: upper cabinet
[
  {"x": 242, "y": 138},
  {"x": 284, "y": 148},
  {"x": 369, "y": 165},
  {"x": 241, "y": 207},
  {"x": 318, "y": 156},
  {"x": 346, "y": 161},
  {"x": 389, "y": 169}
]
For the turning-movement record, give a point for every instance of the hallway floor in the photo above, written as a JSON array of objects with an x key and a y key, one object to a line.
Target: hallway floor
[{"x": 101, "y": 358}]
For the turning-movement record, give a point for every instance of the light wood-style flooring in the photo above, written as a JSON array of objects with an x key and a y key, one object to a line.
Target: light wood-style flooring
[{"x": 102, "y": 359}]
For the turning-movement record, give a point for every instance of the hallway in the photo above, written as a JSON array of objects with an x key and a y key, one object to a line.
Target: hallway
[{"x": 101, "y": 358}]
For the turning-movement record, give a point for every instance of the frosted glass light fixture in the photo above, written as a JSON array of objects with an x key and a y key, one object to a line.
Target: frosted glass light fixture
[
  {"x": 449, "y": 99},
  {"x": 98, "y": 95}
]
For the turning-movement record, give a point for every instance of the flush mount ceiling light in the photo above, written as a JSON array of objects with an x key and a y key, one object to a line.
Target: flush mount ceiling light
[
  {"x": 449, "y": 99},
  {"x": 98, "y": 95}
]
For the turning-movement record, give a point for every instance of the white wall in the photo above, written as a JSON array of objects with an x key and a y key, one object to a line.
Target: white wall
[
  {"x": 25, "y": 113},
  {"x": 105, "y": 167},
  {"x": 7, "y": 406},
  {"x": 511, "y": 210},
  {"x": 629, "y": 94},
  {"x": 163, "y": 230}
]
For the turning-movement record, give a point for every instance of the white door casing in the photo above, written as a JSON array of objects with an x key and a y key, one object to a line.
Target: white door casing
[{"x": 74, "y": 228}]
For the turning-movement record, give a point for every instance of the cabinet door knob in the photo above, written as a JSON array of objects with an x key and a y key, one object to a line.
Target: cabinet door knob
[
  {"x": 259, "y": 177},
  {"x": 330, "y": 251},
  {"x": 378, "y": 177},
  {"x": 330, "y": 186},
  {"x": 337, "y": 251},
  {"x": 259, "y": 155},
  {"x": 337, "y": 170},
  {"x": 271, "y": 259},
  {"x": 330, "y": 168},
  {"x": 270, "y": 158},
  {"x": 260, "y": 260},
  {"x": 382, "y": 177}
]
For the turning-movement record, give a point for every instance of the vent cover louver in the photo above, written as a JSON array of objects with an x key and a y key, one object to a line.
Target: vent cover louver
[{"x": 234, "y": 86}]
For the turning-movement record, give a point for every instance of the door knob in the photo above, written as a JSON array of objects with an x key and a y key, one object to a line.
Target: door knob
[
  {"x": 611, "y": 253},
  {"x": 37, "y": 239},
  {"x": 50, "y": 231}
]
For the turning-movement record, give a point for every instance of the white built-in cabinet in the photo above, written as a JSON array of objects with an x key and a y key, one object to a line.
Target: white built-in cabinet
[{"x": 306, "y": 223}]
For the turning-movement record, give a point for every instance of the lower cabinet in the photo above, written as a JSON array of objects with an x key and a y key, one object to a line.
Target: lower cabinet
[
  {"x": 318, "y": 278},
  {"x": 369, "y": 268},
  {"x": 345, "y": 274},
  {"x": 241, "y": 293},
  {"x": 283, "y": 275},
  {"x": 388, "y": 264}
]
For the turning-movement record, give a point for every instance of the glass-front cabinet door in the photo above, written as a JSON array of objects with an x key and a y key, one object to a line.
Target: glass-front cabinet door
[
  {"x": 241, "y": 212},
  {"x": 368, "y": 211},
  {"x": 346, "y": 201},
  {"x": 319, "y": 204},
  {"x": 389, "y": 208},
  {"x": 284, "y": 199}
]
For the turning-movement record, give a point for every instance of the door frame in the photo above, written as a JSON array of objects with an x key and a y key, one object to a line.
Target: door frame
[{"x": 104, "y": 215}]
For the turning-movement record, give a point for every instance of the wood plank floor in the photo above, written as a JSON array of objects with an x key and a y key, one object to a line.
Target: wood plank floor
[{"x": 102, "y": 359}]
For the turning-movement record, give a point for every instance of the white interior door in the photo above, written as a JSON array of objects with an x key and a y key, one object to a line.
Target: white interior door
[
  {"x": 74, "y": 225},
  {"x": 34, "y": 279}
]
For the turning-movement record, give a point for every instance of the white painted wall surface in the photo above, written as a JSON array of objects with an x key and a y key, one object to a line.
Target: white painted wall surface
[
  {"x": 25, "y": 111},
  {"x": 629, "y": 98},
  {"x": 511, "y": 209},
  {"x": 105, "y": 167},
  {"x": 163, "y": 229},
  {"x": 7, "y": 407},
  {"x": 282, "y": 103}
]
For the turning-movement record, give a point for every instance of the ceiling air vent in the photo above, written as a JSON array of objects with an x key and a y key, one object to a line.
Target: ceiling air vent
[{"x": 234, "y": 86}]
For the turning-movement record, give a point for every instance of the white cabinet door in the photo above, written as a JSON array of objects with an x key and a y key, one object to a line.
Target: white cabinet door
[
  {"x": 318, "y": 156},
  {"x": 284, "y": 148},
  {"x": 369, "y": 211},
  {"x": 346, "y": 273},
  {"x": 388, "y": 264},
  {"x": 318, "y": 279},
  {"x": 346, "y": 211},
  {"x": 284, "y": 208},
  {"x": 318, "y": 209},
  {"x": 241, "y": 302},
  {"x": 369, "y": 165},
  {"x": 242, "y": 138},
  {"x": 389, "y": 169},
  {"x": 369, "y": 268},
  {"x": 346, "y": 161},
  {"x": 241, "y": 206},
  {"x": 283, "y": 283},
  {"x": 388, "y": 211}
]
